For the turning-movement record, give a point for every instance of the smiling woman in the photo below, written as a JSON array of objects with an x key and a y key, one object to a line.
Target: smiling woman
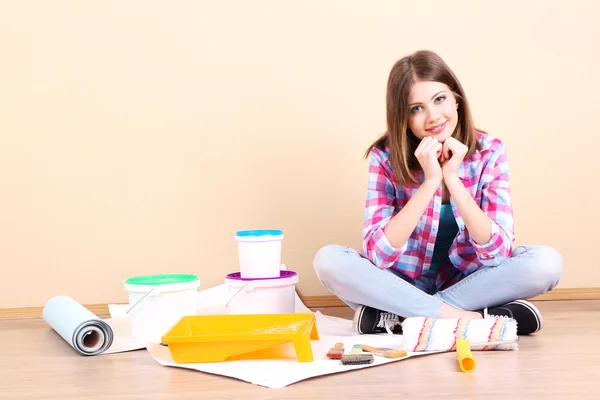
[
  {"x": 435, "y": 116},
  {"x": 438, "y": 229},
  {"x": 423, "y": 100}
]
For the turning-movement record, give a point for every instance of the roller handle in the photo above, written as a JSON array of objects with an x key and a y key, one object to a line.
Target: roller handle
[{"x": 464, "y": 356}]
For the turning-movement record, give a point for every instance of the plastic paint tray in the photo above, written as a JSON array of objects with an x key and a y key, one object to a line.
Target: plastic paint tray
[{"x": 215, "y": 338}]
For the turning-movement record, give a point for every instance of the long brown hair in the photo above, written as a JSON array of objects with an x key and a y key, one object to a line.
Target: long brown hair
[{"x": 422, "y": 65}]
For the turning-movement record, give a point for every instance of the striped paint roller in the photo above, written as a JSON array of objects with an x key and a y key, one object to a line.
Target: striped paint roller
[{"x": 440, "y": 334}]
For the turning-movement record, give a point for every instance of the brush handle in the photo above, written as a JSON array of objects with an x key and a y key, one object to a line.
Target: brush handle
[
  {"x": 384, "y": 351},
  {"x": 369, "y": 348},
  {"x": 393, "y": 353}
]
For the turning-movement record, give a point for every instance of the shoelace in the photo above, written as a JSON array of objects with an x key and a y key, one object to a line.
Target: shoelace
[
  {"x": 388, "y": 321},
  {"x": 486, "y": 315}
]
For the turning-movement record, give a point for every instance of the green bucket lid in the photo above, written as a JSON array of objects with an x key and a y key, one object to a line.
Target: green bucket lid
[{"x": 164, "y": 279}]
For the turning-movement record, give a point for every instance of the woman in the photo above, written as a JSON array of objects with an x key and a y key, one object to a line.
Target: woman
[{"x": 438, "y": 229}]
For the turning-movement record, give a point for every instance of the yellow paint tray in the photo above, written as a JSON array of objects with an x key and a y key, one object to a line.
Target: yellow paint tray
[{"x": 215, "y": 338}]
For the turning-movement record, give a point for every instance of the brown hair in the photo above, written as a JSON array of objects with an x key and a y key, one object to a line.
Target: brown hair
[{"x": 425, "y": 66}]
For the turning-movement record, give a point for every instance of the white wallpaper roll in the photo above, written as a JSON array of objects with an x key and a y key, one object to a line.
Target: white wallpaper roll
[{"x": 83, "y": 330}]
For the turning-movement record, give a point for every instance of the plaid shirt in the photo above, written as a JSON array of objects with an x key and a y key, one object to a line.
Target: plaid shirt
[{"x": 484, "y": 174}]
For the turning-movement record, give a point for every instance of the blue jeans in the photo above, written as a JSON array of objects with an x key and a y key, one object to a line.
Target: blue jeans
[{"x": 531, "y": 271}]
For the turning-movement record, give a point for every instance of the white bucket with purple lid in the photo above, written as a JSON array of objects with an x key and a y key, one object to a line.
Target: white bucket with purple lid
[
  {"x": 262, "y": 296},
  {"x": 259, "y": 252}
]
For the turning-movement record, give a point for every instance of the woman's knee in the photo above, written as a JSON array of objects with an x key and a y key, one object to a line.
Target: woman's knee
[
  {"x": 546, "y": 267},
  {"x": 330, "y": 259}
]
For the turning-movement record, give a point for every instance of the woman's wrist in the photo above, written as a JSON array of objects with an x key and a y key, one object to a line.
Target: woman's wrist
[
  {"x": 432, "y": 183},
  {"x": 452, "y": 181}
]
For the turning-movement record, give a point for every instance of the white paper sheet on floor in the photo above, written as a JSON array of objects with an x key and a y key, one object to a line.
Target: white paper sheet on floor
[
  {"x": 272, "y": 373},
  {"x": 278, "y": 373}
]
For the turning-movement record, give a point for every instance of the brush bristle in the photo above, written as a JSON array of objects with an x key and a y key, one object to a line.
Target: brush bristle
[
  {"x": 357, "y": 359},
  {"x": 335, "y": 354}
]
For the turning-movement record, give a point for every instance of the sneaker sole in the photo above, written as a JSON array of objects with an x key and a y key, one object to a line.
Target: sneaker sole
[
  {"x": 357, "y": 316},
  {"x": 536, "y": 312}
]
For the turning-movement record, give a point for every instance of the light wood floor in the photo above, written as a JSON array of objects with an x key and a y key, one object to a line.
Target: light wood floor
[{"x": 561, "y": 362}]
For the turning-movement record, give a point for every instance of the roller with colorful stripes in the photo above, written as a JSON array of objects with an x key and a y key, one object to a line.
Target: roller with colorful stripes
[{"x": 440, "y": 334}]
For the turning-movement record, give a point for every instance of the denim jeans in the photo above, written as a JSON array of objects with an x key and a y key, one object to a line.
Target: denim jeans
[{"x": 531, "y": 271}]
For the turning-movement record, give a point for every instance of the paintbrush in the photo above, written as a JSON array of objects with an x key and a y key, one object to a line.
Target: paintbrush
[
  {"x": 384, "y": 351},
  {"x": 336, "y": 352},
  {"x": 357, "y": 357}
]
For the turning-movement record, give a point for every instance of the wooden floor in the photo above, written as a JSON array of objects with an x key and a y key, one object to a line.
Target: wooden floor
[{"x": 561, "y": 362}]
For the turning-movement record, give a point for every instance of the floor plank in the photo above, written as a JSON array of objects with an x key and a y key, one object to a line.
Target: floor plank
[{"x": 560, "y": 361}]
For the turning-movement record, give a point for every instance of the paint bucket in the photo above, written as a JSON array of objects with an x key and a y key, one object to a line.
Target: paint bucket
[
  {"x": 157, "y": 302},
  {"x": 262, "y": 296},
  {"x": 259, "y": 253}
]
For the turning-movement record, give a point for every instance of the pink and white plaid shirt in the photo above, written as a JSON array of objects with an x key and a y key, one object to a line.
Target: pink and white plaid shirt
[{"x": 484, "y": 174}]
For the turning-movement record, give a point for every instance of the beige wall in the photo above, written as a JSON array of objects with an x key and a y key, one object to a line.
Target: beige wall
[{"x": 138, "y": 136}]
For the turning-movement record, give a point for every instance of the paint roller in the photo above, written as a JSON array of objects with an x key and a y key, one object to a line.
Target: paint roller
[
  {"x": 461, "y": 335},
  {"x": 442, "y": 334}
]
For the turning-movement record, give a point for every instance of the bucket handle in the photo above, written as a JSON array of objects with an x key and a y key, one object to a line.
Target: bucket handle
[
  {"x": 235, "y": 294},
  {"x": 138, "y": 302}
]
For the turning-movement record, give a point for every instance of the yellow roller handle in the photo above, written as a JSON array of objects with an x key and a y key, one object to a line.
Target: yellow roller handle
[{"x": 464, "y": 356}]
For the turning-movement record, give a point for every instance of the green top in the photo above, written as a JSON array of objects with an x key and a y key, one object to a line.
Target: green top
[{"x": 165, "y": 279}]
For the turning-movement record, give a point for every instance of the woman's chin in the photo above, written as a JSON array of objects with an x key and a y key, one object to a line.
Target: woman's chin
[{"x": 443, "y": 136}]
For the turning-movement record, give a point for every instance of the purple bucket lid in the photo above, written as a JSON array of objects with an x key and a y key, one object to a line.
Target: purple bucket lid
[{"x": 237, "y": 276}]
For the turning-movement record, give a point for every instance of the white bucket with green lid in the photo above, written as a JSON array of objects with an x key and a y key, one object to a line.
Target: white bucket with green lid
[{"x": 157, "y": 302}]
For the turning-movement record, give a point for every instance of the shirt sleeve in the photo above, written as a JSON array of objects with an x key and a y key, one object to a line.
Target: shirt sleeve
[
  {"x": 496, "y": 204},
  {"x": 379, "y": 210}
]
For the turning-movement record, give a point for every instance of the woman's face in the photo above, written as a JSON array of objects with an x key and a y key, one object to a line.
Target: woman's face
[{"x": 432, "y": 110}]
